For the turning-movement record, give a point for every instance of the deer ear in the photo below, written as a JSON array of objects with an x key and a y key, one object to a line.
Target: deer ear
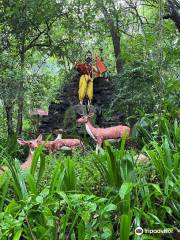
[
  {"x": 21, "y": 141},
  {"x": 39, "y": 138},
  {"x": 91, "y": 114}
]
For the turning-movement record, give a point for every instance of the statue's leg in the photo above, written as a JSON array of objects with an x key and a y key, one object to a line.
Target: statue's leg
[
  {"x": 90, "y": 92},
  {"x": 82, "y": 88},
  {"x": 98, "y": 147}
]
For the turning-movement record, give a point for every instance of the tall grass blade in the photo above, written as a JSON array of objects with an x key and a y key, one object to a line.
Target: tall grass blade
[
  {"x": 32, "y": 183},
  {"x": 17, "y": 179},
  {"x": 41, "y": 169},
  {"x": 81, "y": 230},
  {"x": 69, "y": 177},
  {"x": 125, "y": 226},
  {"x": 4, "y": 184},
  {"x": 58, "y": 176},
  {"x": 35, "y": 159}
]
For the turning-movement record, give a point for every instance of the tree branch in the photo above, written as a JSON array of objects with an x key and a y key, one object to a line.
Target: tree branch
[{"x": 32, "y": 43}]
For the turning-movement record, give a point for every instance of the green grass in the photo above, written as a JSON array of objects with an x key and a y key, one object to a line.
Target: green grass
[{"x": 85, "y": 196}]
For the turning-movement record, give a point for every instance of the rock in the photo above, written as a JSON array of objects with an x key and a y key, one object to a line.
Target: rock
[
  {"x": 64, "y": 112},
  {"x": 141, "y": 159}
]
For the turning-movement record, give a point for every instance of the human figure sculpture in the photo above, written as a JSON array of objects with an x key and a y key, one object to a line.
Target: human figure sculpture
[{"x": 86, "y": 78}]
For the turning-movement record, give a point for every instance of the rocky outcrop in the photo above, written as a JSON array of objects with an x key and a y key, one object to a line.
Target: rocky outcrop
[{"x": 64, "y": 112}]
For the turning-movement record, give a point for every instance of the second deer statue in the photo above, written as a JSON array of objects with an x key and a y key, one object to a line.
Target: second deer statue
[
  {"x": 54, "y": 145},
  {"x": 102, "y": 134},
  {"x": 32, "y": 144}
]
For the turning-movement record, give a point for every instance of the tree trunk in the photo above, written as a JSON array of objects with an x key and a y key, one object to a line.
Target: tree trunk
[
  {"x": 20, "y": 110},
  {"x": 115, "y": 37},
  {"x": 117, "y": 50},
  {"x": 20, "y": 100},
  {"x": 9, "y": 119}
]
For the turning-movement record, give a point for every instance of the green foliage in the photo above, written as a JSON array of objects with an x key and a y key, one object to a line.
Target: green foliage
[
  {"x": 153, "y": 127},
  {"x": 40, "y": 210},
  {"x": 62, "y": 198},
  {"x": 171, "y": 99},
  {"x": 9, "y": 77},
  {"x": 81, "y": 195},
  {"x": 70, "y": 120},
  {"x": 115, "y": 166},
  {"x": 134, "y": 91}
]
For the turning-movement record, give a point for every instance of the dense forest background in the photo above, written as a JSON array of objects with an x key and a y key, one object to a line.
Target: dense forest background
[
  {"x": 82, "y": 195},
  {"x": 41, "y": 40}
]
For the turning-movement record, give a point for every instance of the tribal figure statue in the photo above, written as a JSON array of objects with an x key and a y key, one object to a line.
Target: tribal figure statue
[{"x": 86, "y": 79}]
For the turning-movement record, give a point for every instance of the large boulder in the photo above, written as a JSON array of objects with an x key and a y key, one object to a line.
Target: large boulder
[{"x": 66, "y": 109}]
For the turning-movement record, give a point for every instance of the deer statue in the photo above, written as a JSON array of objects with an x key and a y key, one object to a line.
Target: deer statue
[
  {"x": 58, "y": 132},
  {"x": 102, "y": 134},
  {"x": 64, "y": 144},
  {"x": 50, "y": 146},
  {"x": 55, "y": 145},
  {"x": 32, "y": 144}
]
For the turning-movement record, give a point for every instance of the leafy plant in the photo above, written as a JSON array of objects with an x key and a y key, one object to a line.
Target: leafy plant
[{"x": 115, "y": 166}]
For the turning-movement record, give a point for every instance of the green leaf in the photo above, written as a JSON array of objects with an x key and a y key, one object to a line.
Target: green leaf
[
  {"x": 110, "y": 207},
  {"x": 64, "y": 196},
  {"x": 107, "y": 232},
  {"x": 39, "y": 199},
  {"x": 58, "y": 175},
  {"x": 168, "y": 210},
  {"x": 157, "y": 188},
  {"x": 35, "y": 159},
  {"x": 18, "y": 234},
  {"x": 81, "y": 230},
  {"x": 125, "y": 189},
  {"x": 41, "y": 169},
  {"x": 156, "y": 219},
  {"x": 5, "y": 179},
  {"x": 86, "y": 216},
  {"x": 125, "y": 223},
  {"x": 31, "y": 183},
  {"x": 12, "y": 207}
]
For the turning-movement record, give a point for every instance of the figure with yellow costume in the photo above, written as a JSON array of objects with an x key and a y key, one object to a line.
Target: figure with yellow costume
[{"x": 88, "y": 71}]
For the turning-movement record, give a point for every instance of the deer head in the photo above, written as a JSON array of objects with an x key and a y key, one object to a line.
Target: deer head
[
  {"x": 84, "y": 119},
  {"x": 32, "y": 144}
]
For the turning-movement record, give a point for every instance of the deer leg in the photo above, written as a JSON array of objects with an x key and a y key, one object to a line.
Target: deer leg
[
  {"x": 82, "y": 146},
  {"x": 88, "y": 106},
  {"x": 98, "y": 146},
  {"x": 89, "y": 92}
]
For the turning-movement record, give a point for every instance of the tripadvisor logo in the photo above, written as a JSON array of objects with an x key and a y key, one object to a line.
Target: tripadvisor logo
[{"x": 139, "y": 231}]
